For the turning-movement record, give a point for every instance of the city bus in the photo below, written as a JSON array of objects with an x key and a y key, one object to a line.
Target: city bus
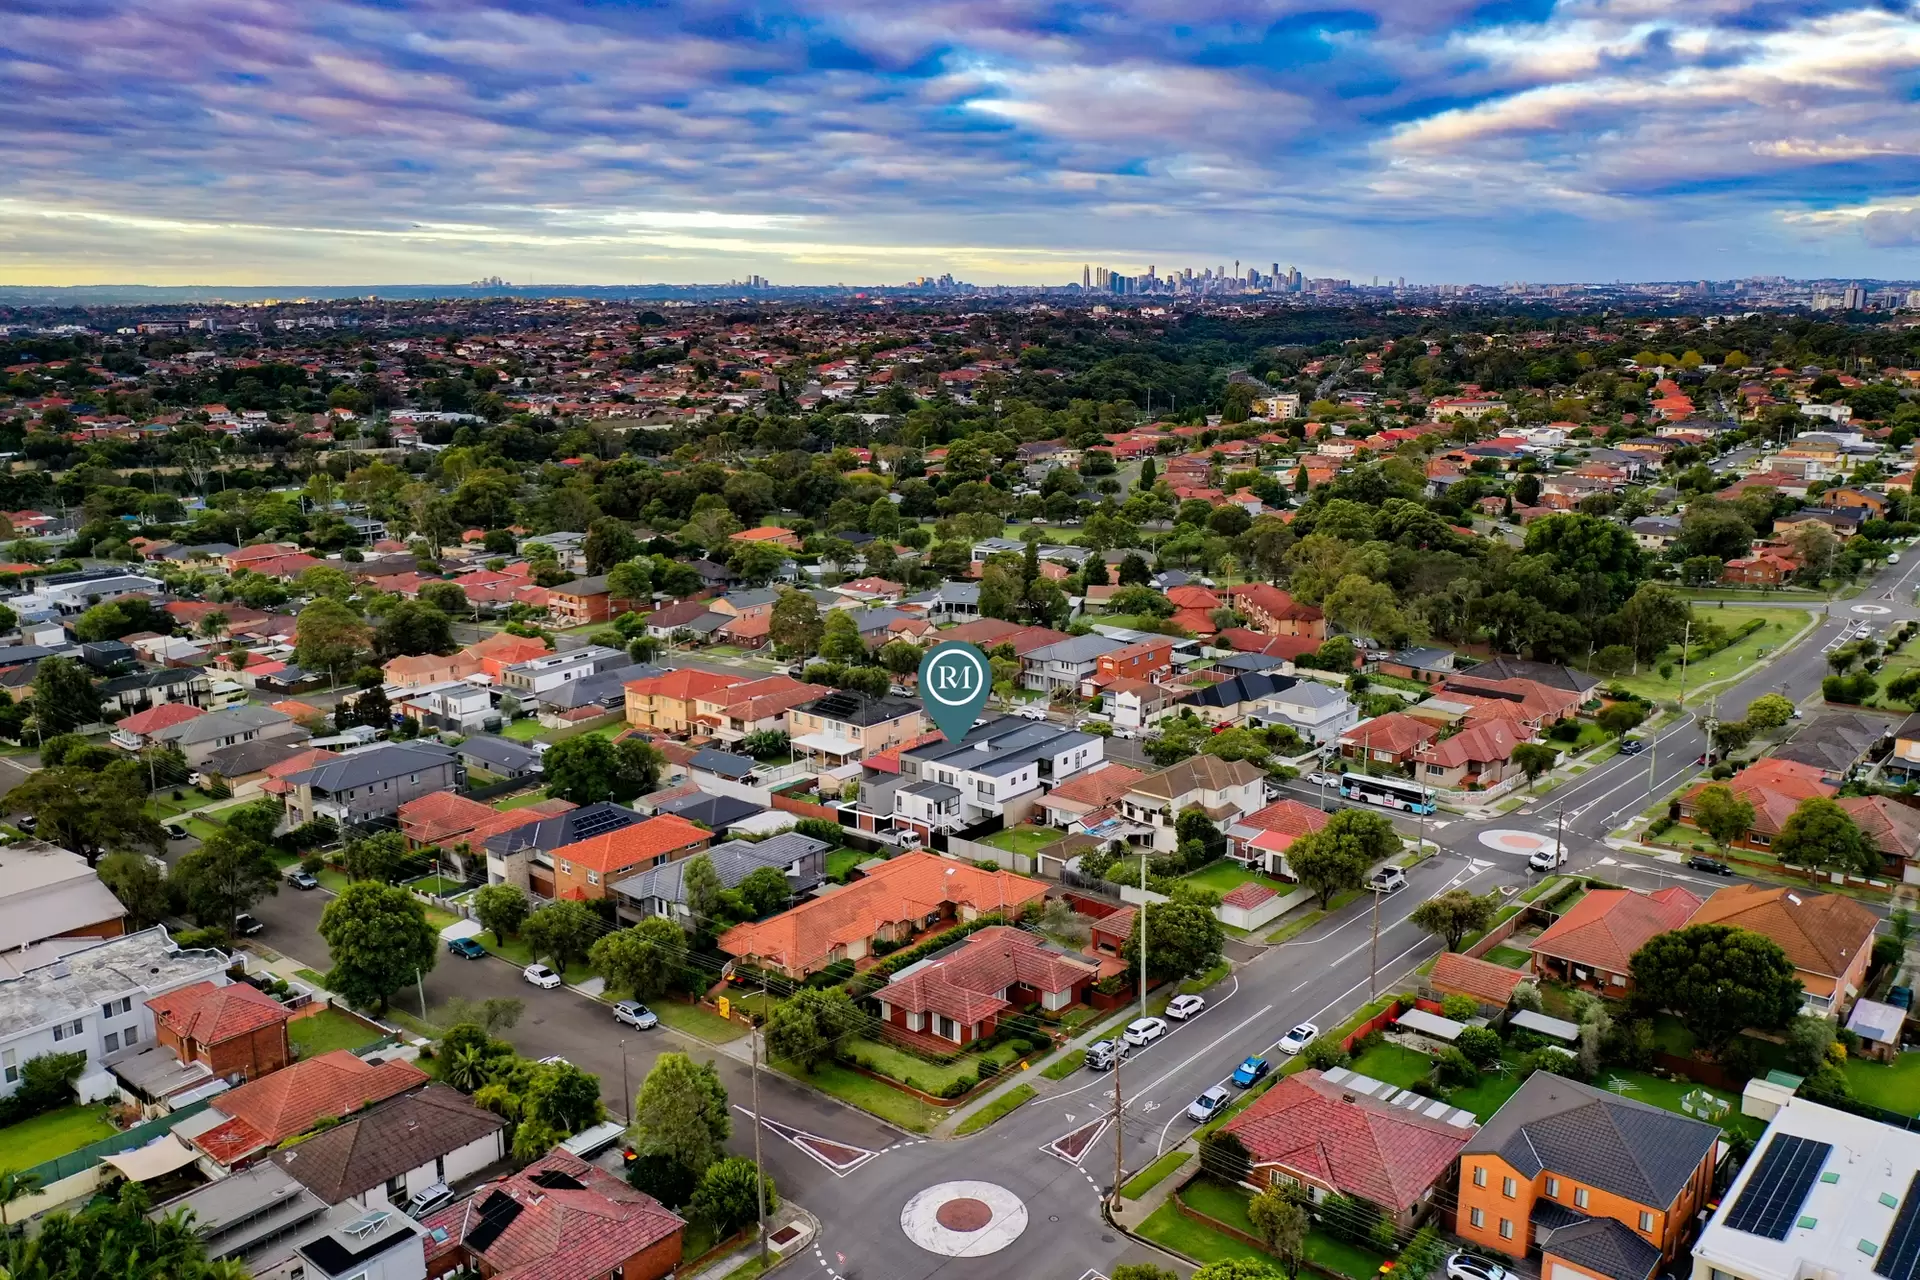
[{"x": 1391, "y": 793}]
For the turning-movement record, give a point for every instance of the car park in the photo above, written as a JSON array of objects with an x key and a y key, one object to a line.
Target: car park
[
  {"x": 541, "y": 976},
  {"x": 467, "y": 948},
  {"x": 1251, "y": 1072},
  {"x": 1207, "y": 1105},
  {"x": 246, "y": 926},
  {"x": 1102, "y": 1055},
  {"x": 1712, "y": 866},
  {"x": 1184, "y": 1007},
  {"x": 1467, "y": 1266},
  {"x": 1387, "y": 879},
  {"x": 1297, "y": 1039},
  {"x": 1144, "y": 1031},
  {"x": 635, "y": 1015}
]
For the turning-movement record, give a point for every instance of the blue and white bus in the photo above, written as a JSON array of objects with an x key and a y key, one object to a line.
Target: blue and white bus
[{"x": 1389, "y": 793}]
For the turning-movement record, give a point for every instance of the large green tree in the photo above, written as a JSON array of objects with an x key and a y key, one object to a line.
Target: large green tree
[
  {"x": 115, "y": 1238},
  {"x": 63, "y": 696},
  {"x": 1722, "y": 814},
  {"x": 728, "y": 1197},
  {"x": 645, "y": 960},
  {"x": 1821, "y": 836},
  {"x": 590, "y": 769},
  {"x": 681, "y": 1113},
  {"x": 380, "y": 941},
  {"x": 1719, "y": 980},
  {"x": 1454, "y": 914},
  {"x": 561, "y": 932},
  {"x": 795, "y": 625},
  {"x": 412, "y": 627},
  {"x": 91, "y": 811},
  {"x": 1338, "y": 856},
  {"x": 139, "y": 884},
  {"x": 1183, "y": 939},
  {"x": 223, "y": 877},
  {"x": 330, "y": 638},
  {"x": 501, "y": 908},
  {"x": 806, "y": 1028}
]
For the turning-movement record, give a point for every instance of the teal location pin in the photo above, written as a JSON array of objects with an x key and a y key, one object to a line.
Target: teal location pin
[{"x": 955, "y": 679}]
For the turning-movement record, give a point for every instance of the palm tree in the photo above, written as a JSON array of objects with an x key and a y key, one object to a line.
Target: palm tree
[
  {"x": 15, "y": 1186},
  {"x": 466, "y": 1069}
]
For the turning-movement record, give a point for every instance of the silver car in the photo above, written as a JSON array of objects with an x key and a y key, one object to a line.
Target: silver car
[
  {"x": 1207, "y": 1105},
  {"x": 635, "y": 1015}
]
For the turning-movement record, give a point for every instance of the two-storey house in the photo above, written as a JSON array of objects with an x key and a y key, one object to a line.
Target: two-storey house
[{"x": 1222, "y": 789}]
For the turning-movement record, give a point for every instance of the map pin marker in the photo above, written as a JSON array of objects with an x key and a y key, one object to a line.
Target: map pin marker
[{"x": 955, "y": 679}]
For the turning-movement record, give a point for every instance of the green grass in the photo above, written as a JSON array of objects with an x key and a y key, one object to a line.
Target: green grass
[
  {"x": 321, "y": 1033},
  {"x": 311, "y": 978},
  {"x": 1228, "y": 1205},
  {"x": 841, "y": 862},
  {"x": 1226, "y": 875},
  {"x": 1296, "y": 927},
  {"x": 1154, "y": 1174},
  {"x": 1486, "y": 1097},
  {"x": 1065, "y": 1065},
  {"x": 1395, "y": 1064},
  {"x": 523, "y": 730},
  {"x": 1195, "y": 985},
  {"x": 1168, "y": 1226},
  {"x": 1892, "y": 1087},
  {"x": 1782, "y": 625},
  {"x": 1341, "y": 1257},
  {"x": 868, "y": 1094},
  {"x": 520, "y": 801},
  {"x": 437, "y": 918},
  {"x": 1666, "y": 1095},
  {"x": 702, "y": 1024},
  {"x": 41, "y": 1138},
  {"x": 1025, "y": 838},
  {"x": 927, "y": 1076},
  {"x": 1016, "y": 1097},
  {"x": 437, "y": 886},
  {"x": 1511, "y": 957},
  {"x": 516, "y": 950},
  {"x": 332, "y": 879}
]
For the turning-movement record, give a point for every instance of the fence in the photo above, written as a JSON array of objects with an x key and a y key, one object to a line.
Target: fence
[
  {"x": 139, "y": 1136},
  {"x": 506, "y": 786}
]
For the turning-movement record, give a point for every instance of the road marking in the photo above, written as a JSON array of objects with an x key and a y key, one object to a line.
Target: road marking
[
  {"x": 1177, "y": 1028},
  {"x": 1201, "y": 1053},
  {"x": 842, "y": 1158}
]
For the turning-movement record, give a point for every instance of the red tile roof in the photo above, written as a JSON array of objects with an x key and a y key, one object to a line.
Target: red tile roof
[
  {"x": 965, "y": 985},
  {"x": 164, "y": 716},
  {"x": 290, "y": 1101},
  {"x": 432, "y": 818},
  {"x": 1396, "y": 732},
  {"x": 685, "y": 684},
  {"x": 1606, "y": 927},
  {"x": 1822, "y": 933},
  {"x": 1098, "y": 787},
  {"x": 1307, "y": 1127},
  {"x": 214, "y": 1015},
  {"x": 660, "y": 834},
  {"x": 1490, "y": 983},
  {"x": 1250, "y": 894}
]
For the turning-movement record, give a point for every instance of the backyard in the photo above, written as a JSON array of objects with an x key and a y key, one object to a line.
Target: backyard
[
  {"x": 1891, "y": 1087},
  {"x": 1394, "y": 1064},
  {"x": 520, "y": 801},
  {"x": 841, "y": 862},
  {"x": 331, "y": 1029},
  {"x": 1226, "y": 875},
  {"x": 1024, "y": 839},
  {"x": 40, "y": 1138},
  {"x": 1228, "y": 1205}
]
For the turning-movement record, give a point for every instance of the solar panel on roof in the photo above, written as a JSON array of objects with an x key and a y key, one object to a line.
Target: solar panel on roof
[
  {"x": 1771, "y": 1200},
  {"x": 598, "y": 824},
  {"x": 497, "y": 1212},
  {"x": 1902, "y": 1251}
]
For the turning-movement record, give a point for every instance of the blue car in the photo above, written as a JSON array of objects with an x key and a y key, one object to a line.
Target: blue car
[
  {"x": 1250, "y": 1072},
  {"x": 468, "y": 948}
]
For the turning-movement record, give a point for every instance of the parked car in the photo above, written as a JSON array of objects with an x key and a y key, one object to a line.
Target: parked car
[
  {"x": 1387, "y": 879},
  {"x": 1184, "y": 1007},
  {"x": 1297, "y": 1039},
  {"x": 1144, "y": 1031},
  {"x": 246, "y": 926},
  {"x": 177, "y": 832},
  {"x": 1208, "y": 1104},
  {"x": 1321, "y": 779},
  {"x": 302, "y": 880},
  {"x": 1031, "y": 713},
  {"x": 1549, "y": 858},
  {"x": 541, "y": 976},
  {"x": 1632, "y": 746},
  {"x": 27, "y": 824},
  {"x": 1102, "y": 1055},
  {"x": 1712, "y": 866},
  {"x": 468, "y": 948},
  {"x": 1251, "y": 1072},
  {"x": 554, "y": 1060},
  {"x": 1467, "y": 1266},
  {"x": 635, "y": 1015},
  {"x": 427, "y": 1199}
]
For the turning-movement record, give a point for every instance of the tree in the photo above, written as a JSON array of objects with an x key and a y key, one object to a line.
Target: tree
[
  {"x": 729, "y": 1194},
  {"x": 662, "y": 1177},
  {"x": 902, "y": 657},
  {"x": 840, "y": 638},
  {"x": 115, "y": 1237},
  {"x": 63, "y": 696},
  {"x": 645, "y": 960},
  {"x": 412, "y": 627},
  {"x": 1821, "y": 836},
  {"x": 1183, "y": 939},
  {"x": 379, "y": 940},
  {"x": 224, "y": 876},
  {"x": 581, "y": 769},
  {"x": 448, "y": 597},
  {"x": 1719, "y": 980},
  {"x": 325, "y": 580},
  {"x": 681, "y": 1113},
  {"x": 15, "y": 1185},
  {"x": 1621, "y": 717},
  {"x": 701, "y": 885},
  {"x": 609, "y": 541},
  {"x": 1337, "y": 856},
  {"x": 561, "y": 932},
  {"x": 1769, "y": 711},
  {"x": 501, "y": 908},
  {"x": 329, "y": 637},
  {"x": 1722, "y": 815},
  {"x": 1534, "y": 759},
  {"x": 381, "y": 858},
  {"x": 1454, "y": 914},
  {"x": 1236, "y": 1269},
  {"x": 637, "y": 766},
  {"x": 1282, "y": 1225},
  {"x": 140, "y": 886},
  {"x": 795, "y": 625},
  {"x": 1143, "y": 1270},
  {"x": 1133, "y": 571},
  {"x": 764, "y": 891},
  {"x": 806, "y": 1027},
  {"x": 91, "y": 811},
  {"x": 492, "y": 1015}
]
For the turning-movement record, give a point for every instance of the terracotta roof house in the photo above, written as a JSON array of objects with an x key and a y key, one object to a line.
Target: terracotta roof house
[
  {"x": 771, "y": 535},
  {"x": 898, "y": 899},
  {"x": 427, "y": 820},
  {"x": 1096, "y": 789},
  {"x": 1491, "y": 984},
  {"x": 1605, "y": 1185},
  {"x": 559, "y": 1218},
  {"x": 1269, "y": 609},
  {"x": 1320, "y": 1133},
  {"x": 585, "y": 869},
  {"x": 1828, "y": 937},
  {"x": 382, "y": 1156},
  {"x": 264, "y": 1112},
  {"x": 1389, "y": 739},
  {"x": 1593, "y": 944},
  {"x": 1479, "y": 755},
  {"x": 232, "y": 1030},
  {"x": 665, "y": 703},
  {"x": 1775, "y": 788},
  {"x": 1262, "y": 837},
  {"x": 958, "y": 995},
  {"x": 130, "y": 732},
  {"x": 1893, "y": 827}
]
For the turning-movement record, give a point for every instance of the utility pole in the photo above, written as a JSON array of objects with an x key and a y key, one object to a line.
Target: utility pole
[
  {"x": 1373, "y": 949},
  {"x": 1119, "y": 1111},
  {"x": 759, "y": 1170}
]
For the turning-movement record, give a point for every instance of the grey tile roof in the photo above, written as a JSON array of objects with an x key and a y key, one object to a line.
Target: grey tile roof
[
  {"x": 1250, "y": 686},
  {"x": 504, "y": 752},
  {"x": 1001, "y": 745},
  {"x": 243, "y": 758},
  {"x": 1078, "y": 649},
  {"x": 1605, "y": 1140},
  {"x": 733, "y": 861},
  {"x": 164, "y": 678},
  {"x": 724, "y": 763},
  {"x": 222, "y": 724},
  {"x": 565, "y": 828},
  {"x": 712, "y": 812},
  {"x": 376, "y": 764},
  {"x": 1604, "y": 1247}
]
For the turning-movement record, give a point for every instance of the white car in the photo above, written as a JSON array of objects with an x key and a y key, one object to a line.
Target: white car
[
  {"x": 554, "y": 1060},
  {"x": 1184, "y": 1007},
  {"x": 1467, "y": 1266},
  {"x": 1388, "y": 879},
  {"x": 1207, "y": 1105},
  {"x": 1297, "y": 1039},
  {"x": 1324, "y": 779},
  {"x": 541, "y": 976},
  {"x": 1547, "y": 859},
  {"x": 1144, "y": 1031},
  {"x": 1031, "y": 713},
  {"x": 635, "y": 1015}
]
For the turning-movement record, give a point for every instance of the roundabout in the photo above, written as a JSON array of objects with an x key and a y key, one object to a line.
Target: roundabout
[
  {"x": 1524, "y": 843},
  {"x": 964, "y": 1219},
  {"x": 1873, "y": 610}
]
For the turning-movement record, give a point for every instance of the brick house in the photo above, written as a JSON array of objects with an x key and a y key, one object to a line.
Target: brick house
[
  {"x": 959, "y": 995},
  {"x": 1490, "y": 985},
  {"x": 577, "y": 603},
  {"x": 264, "y": 1112},
  {"x": 582, "y": 871},
  {"x": 1774, "y": 787},
  {"x": 666, "y": 702},
  {"x": 1270, "y": 610},
  {"x": 770, "y": 535},
  {"x": 1828, "y": 937},
  {"x": 1142, "y": 661},
  {"x": 1390, "y": 739},
  {"x": 1592, "y": 945},
  {"x": 234, "y": 1031},
  {"x": 1764, "y": 567},
  {"x": 1479, "y": 755},
  {"x": 1262, "y": 838}
]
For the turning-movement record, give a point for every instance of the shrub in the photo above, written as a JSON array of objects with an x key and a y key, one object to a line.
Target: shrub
[
  {"x": 1325, "y": 1053},
  {"x": 1453, "y": 1069},
  {"x": 1458, "y": 1007},
  {"x": 1480, "y": 1046}
]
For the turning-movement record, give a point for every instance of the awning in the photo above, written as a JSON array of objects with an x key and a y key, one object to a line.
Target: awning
[
  {"x": 1430, "y": 1024},
  {"x": 1541, "y": 1024},
  {"x": 156, "y": 1158},
  {"x": 828, "y": 743}
]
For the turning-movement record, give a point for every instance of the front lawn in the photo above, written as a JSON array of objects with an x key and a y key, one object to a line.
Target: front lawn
[
  {"x": 41, "y": 1138},
  {"x": 698, "y": 1022},
  {"x": 1511, "y": 957},
  {"x": 928, "y": 1077},
  {"x": 1226, "y": 875},
  {"x": 1892, "y": 1086},
  {"x": 1065, "y": 1065},
  {"x": 1025, "y": 838},
  {"x": 1228, "y": 1204},
  {"x": 437, "y": 886},
  {"x": 319, "y": 1033},
  {"x": 1395, "y": 1064},
  {"x": 1154, "y": 1174},
  {"x": 1011, "y": 1100},
  {"x": 870, "y": 1095}
]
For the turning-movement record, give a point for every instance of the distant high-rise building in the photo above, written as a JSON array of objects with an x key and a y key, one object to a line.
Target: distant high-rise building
[
  {"x": 1856, "y": 298},
  {"x": 1403, "y": 283},
  {"x": 1086, "y": 277}
]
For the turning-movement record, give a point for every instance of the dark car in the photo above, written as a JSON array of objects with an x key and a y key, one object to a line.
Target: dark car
[
  {"x": 302, "y": 880},
  {"x": 177, "y": 832},
  {"x": 246, "y": 926},
  {"x": 1712, "y": 866},
  {"x": 469, "y": 948},
  {"x": 1632, "y": 746}
]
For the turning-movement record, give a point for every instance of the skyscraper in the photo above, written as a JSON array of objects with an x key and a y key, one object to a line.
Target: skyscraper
[
  {"x": 1856, "y": 298},
  {"x": 1086, "y": 277}
]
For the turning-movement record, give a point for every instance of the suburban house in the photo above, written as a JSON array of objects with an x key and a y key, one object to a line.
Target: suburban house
[
  {"x": 1828, "y": 936},
  {"x": 577, "y": 603},
  {"x": 380, "y": 1242},
  {"x": 770, "y": 535},
  {"x": 1261, "y": 838},
  {"x": 260, "y": 1114},
  {"x": 1903, "y": 765},
  {"x": 1480, "y": 755},
  {"x": 1143, "y": 660},
  {"x": 1335, "y": 1133},
  {"x": 255, "y": 1216},
  {"x": 585, "y": 869},
  {"x": 604, "y": 693},
  {"x": 201, "y": 736},
  {"x": 665, "y": 703},
  {"x": 1592, "y": 945},
  {"x": 1390, "y": 739},
  {"x": 844, "y": 726},
  {"x": 899, "y": 899},
  {"x": 958, "y": 995},
  {"x": 1488, "y": 984},
  {"x": 1234, "y": 699},
  {"x": 427, "y": 670},
  {"x": 134, "y": 732},
  {"x": 1894, "y": 828},
  {"x": 1090, "y": 797},
  {"x": 662, "y": 890},
  {"x": 50, "y": 892},
  {"x": 457, "y": 708},
  {"x": 1138, "y": 704},
  {"x": 1774, "y": 787},
  {"x": 1064, "y": 666},
  {"x": 559, "y": 1218},
  {"x": 372, "y": 782},
  {"x": 1225, "y": 790},
  {"x": 169, "y": 686},
  {"x": 1594, "y": 1183},
  {"x": 1270, "y": 610},
  {"x": 549, "y": 671},
  {"x": 501, "y": 757},
  {"x": 260, "y": 768},
  {"x": 233, "y": 1031},
  {"x": 520, "y": 853},
  {"x": 758, "y": 706},
  {"x": 998, "y": 771},
  {"x": 380, "y": 1157},
  {"x": 1318, "y": 712}
]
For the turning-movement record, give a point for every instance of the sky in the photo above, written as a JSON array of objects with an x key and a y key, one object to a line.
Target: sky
[{"x": 1006, "y": 141}]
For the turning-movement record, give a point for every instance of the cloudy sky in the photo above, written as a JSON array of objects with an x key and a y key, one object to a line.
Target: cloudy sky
[{"x": 602, "y": 141}]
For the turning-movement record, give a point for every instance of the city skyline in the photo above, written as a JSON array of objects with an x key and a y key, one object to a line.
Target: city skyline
[{"x": 163, "y": 143}]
